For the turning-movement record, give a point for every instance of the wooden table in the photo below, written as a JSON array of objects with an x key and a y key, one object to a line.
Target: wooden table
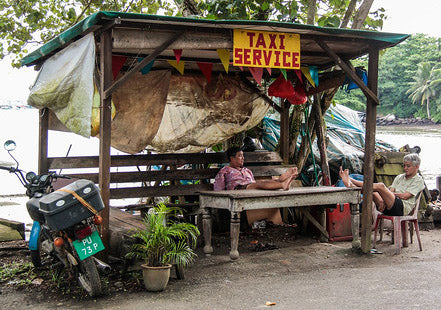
[{"x": 300, "y": 197}]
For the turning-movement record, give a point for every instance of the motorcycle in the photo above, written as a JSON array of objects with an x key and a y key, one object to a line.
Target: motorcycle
[{"x": 64, "y": 231}]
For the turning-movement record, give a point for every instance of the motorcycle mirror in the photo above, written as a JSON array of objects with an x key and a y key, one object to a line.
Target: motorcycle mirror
[{"x": 9, "y": 145}]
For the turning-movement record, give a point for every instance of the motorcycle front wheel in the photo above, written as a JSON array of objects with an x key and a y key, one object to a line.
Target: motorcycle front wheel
[{"x": 88, "y": 276}]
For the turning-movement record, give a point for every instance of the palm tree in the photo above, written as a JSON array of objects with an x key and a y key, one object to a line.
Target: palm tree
[{"x": 427, "y": 82}]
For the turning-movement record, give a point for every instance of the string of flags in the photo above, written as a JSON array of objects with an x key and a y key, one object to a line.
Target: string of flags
[{"x": 280, "y": 87}]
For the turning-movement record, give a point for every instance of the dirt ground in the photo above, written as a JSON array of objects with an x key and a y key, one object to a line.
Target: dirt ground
[{"x": 266, "y": 255}]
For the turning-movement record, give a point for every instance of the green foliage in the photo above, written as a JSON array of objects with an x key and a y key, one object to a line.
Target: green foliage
[
  {"x": 425, "y": 85},
  {"x": 163, "y": 240},
  {"x": 397, "y": 70},
  {"x": 29, "y": 22},
  {"x": 21, "y": 274}
]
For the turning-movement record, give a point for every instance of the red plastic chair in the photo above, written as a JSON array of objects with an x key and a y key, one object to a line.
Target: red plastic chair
[{"x": 400, "y": 226}]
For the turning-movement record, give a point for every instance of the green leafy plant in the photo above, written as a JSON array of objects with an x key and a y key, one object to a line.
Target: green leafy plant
[{"x": 164, "y": 240}]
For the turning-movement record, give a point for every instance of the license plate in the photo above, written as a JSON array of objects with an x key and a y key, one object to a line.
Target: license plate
[{"x": 88, "y": 246}]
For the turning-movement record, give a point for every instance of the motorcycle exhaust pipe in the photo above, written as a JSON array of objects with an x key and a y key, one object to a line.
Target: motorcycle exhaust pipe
[{"x": 102, "y": 266}]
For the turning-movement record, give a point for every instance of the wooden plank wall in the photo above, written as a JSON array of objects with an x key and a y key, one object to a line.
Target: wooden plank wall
[{"x": 153, "y": 175}]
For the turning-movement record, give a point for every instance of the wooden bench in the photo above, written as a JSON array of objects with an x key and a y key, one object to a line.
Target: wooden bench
[{"x": 237, "y": 201}]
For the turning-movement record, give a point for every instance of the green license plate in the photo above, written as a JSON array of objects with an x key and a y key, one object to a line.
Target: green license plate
[{"x": 88, "y": 246}]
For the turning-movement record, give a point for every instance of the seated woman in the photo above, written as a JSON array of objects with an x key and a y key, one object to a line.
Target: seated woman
[{"x": 399, "y": 199}]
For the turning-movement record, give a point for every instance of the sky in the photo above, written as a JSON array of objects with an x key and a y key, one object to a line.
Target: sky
[{"x": 404, "y": 16}]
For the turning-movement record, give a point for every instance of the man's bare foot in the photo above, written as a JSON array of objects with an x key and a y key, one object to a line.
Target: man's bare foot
[
  {"x": 287, "y": 182},
  {"x": 344, "y": 175}
]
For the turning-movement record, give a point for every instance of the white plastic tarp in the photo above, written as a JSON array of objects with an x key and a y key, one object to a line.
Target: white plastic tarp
[{"x": 65, "y": 85}]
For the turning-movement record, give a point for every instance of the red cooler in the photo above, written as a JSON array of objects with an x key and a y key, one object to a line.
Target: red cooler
[{"x": 338, "y": 223}]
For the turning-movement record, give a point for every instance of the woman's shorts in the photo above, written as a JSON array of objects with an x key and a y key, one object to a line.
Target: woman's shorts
[{"x": 396, "y": 210}]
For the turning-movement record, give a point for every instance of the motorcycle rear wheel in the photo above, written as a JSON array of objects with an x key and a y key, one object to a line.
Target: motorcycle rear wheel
[{"x": 88, "y": 277}]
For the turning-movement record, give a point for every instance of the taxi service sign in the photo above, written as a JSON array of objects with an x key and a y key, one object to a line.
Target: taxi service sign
[{"x": 266, "y": 49}]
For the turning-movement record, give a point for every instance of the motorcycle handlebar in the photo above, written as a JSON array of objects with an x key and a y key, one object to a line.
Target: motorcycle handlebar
[{"x": 10, "y": 169}]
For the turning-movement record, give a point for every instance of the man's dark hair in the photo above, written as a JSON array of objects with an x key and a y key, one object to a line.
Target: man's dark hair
[{"x": 232, "y": 151}]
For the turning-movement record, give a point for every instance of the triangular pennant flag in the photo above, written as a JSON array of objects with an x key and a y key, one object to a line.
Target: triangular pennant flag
[
  {"x": 283, "y": 71},
  {"x": 178, "y": 54},
  {"x": 206, "y": 68},
  {"x": 314, "y": 74},
  {"x": 305, "y": 71},
  {"x": 257, "y": 74},
  {"x": 224, "y": 56},
  {"x": 117, "y": 64},
  {"x": 269, "y": 70},
  {"x": 147, "y": 67},
  {"x": 178, "y": 66},
  {"x": 299, "y": 75},
  {"x": 281, "y": 88}
]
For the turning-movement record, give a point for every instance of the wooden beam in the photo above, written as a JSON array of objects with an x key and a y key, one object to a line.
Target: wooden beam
[
  {"x": 327, "y": 83},
  {"x": 105, "y": 134},
  {"x": 43, "y": 164},
  {"x": 260, "y": 93},
  {"x": 141, "y": 39},
  {"x": 352, "y": 74},
  {"x": 284, "y": 130},
  {"x": 313, "y": 221},
  {"x": 109, "y": 90},
  {"x": 368, "y": 165}
]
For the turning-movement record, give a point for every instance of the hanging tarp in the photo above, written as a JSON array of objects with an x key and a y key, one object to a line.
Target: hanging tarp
[
  {"x": 140, "y": 105},
  {"x": 65, "y": 85},
  {"x": 198, "y": 115},
  {"x": 345, "y": 138}
]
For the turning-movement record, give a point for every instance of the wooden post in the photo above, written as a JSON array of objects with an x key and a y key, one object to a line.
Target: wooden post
[
  {"x": 321, "y": 140},
  {"x": 234, "y": 233},
  {"x": 105, "y": 133},
  {"x": 206, "y": 226},
  {"x": 371, "y": 115},
  {"x": 43, "y": 165},
  {"x": 284, "y": 131}
]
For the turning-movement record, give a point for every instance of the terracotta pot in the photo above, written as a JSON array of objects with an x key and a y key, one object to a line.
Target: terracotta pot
[{"x": 155, "y": 278}]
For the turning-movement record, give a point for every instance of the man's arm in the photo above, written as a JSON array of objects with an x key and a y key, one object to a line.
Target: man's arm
[
  {"x": 403, "y": 196},
  {"x": 219, "y": 181}
]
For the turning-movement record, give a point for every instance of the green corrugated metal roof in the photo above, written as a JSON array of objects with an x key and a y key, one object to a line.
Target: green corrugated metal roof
[{"x": 100, "y": 18}]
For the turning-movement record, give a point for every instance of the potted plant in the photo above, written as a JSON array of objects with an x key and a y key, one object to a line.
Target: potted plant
[{"x": 162, "y": 242}]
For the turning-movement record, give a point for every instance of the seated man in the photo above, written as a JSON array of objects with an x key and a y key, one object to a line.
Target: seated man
[
  {"x": 236, "y": 176},
  {"x": 399, "y": 199}
]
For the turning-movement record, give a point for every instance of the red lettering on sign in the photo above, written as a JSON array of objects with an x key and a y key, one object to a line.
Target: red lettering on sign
[
  {"x": 285, "y": 62},
  {"x": 282, "y": 44},
  {"x": 238, "y": 56},
  {"x": 277, "y": 61},
  {"x": 273, "y": 41},
  {"x": 251, "y": 36},
  {"x": 295, "y": 60},
  {"x": 261, "y": 41},
  {"x": 257, "y": 55},
  {"x": 246, "y": 56},
  {"x": 267, "y": 57}
]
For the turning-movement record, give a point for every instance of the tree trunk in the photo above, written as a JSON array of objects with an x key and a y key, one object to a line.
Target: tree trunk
[
  {"x": 348, "y": 14},
  {"x": 428, "y": 111},
  {"x": 312, "y": 10},
  {"x": 361, "y": 14}
]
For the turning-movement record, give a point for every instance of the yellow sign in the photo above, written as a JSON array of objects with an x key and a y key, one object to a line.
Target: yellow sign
[{"x": 266, "y": 49}]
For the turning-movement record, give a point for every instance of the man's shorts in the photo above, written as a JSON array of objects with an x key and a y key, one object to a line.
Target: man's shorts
[
  {"x": 241, "y": 186},
  {"x": 396, "y": 210}
]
